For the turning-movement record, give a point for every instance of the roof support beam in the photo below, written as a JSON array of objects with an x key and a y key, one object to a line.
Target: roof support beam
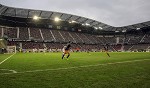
[
  {"x": 109, "y": 28},
  {"x": 103, "y": 25},
  {"x": 84, "y": 20},
  {"x": 49, "y": 16},
  {"x": 77, "y": 19},
  {"x": 68, "y": 18},
  {"x": 96, "y": 24},
  {"x": 4, "y": 11},
  {"x": 28, "y": 13},
  {"x": 15, "y": 12},
  {"x": 40, "y": 13},
  {"x": 92, "y": 22},
  {"x": 115, "y": 29},
  {"x": 61, "y": 15}
]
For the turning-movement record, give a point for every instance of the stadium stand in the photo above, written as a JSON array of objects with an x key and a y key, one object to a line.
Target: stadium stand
[
  {"x": 57, "y": 35},
  {"x": 127, "y": 47},
  {"x": 101, "y": 40},
  {"x": 67, "y": 37},
  {"x": 84, "y": 38},
  {"x": 35, "y": 34},
  {"x": 54, "y": 45},
  {"x": 12, "y": 43},
  {"x": 109, "y": 39},
  {"x": 117, "y": 47},
  {"x": 134, "y": 39},
  {"x": 23, "y": 33},
  {"x": 120, "y": 39},
  {"x": 83, "y": 41},
  {"x": 97, "y": 39},
  {"x": 20, "y": 30},
  {"x": 146, "y": 39},
  {"x": 76, "y": 37},
  {"x": 10, "y": 32},
  {"x": 32, "y": 45},
  {"x": 92, "y": 38},
  {"x": 47, "y": 35},
  {"x": 140, "y": 47}
]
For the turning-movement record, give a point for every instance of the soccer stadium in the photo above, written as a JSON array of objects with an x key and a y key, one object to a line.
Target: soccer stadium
[{"x": 99, "y": 55}]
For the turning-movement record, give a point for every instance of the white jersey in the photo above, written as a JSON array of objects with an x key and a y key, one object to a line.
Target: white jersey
[{"x": 64, "y": 48}]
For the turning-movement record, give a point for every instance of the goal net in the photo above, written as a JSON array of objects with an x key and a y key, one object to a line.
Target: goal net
[{"x": 11, "y": 49}]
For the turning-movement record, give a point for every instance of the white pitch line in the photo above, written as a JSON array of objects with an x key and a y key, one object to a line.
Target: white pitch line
[
  {"x": 7, "y": 58},
  {"x": 85, "y": 66},
  {"x": 13, "y": 71}
]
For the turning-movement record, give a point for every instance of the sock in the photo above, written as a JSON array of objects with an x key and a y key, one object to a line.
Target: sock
[
  {"x": 108, "y": 54},
  {"x": 68, "y": 56},
  {"x": 63, "y": 56}
]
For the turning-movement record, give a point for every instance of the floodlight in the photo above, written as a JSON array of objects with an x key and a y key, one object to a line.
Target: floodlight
[
  {"x": 73, "y": 21},
  {"x": 96, "y": 28},
  {"x": 57, "y": 19},
  {"x": 116, "y": 31},
  {"x": 137, "y": 28},
  {"x": 100, "y": 28},
  {"x": 124, "y": 31},
  {"x": 87, "y": 24},
  {"x": 36, "y": 17}
]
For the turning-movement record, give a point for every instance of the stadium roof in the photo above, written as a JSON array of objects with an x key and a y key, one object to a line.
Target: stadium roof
[{"x": 30, "y": 13}]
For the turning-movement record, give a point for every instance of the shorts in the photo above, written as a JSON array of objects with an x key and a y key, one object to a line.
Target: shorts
[{"x": 66, "y": 52}]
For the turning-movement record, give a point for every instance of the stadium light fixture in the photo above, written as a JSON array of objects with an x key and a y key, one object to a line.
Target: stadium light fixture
[
  {"x": 116, "y": 31},
  {"x": 138, "y": 28},
  {"x": 72, "y": 21},
  {"x": 87, "y": 24},
  {"x": 124, "y": 31},
  {"x": 96, "y": 28},
  {"x": 100, "y": 28},
  {"x": 57, "y": 19},
  {"x": 83, "y": 24},
  {"x": 36, "y": 17}
]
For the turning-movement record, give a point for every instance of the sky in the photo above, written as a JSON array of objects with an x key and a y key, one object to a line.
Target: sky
[{"x": 112, "y": 12}]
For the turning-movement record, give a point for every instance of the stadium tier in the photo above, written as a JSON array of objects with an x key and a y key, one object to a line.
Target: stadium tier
[
  {"x": 23, "y": 33},
  {"x": 31, "y": 38}
]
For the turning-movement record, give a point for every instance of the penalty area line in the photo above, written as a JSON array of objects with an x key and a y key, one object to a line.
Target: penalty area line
[
  {"x": 84, "y": 66},
  {"x": 13, "y": 71},
  {"x": 7, "y": 58}
]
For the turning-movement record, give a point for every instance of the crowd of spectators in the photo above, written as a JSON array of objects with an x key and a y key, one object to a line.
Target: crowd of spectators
[{"x": 56, "y": 39}]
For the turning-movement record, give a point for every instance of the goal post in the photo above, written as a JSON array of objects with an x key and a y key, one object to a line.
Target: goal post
[
  {"x": 6, "y": 49},
  {"x": 11, "y": 49}
]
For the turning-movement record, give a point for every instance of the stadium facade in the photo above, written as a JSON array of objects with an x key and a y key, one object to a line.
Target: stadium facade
[{"x": 29, "y": 29}]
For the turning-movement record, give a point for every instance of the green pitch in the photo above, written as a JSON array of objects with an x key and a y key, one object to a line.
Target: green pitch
[{"x": 82, "y": 70}]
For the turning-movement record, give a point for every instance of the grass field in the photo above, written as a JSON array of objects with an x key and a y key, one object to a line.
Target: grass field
[{"x": 97, "y": 70}]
